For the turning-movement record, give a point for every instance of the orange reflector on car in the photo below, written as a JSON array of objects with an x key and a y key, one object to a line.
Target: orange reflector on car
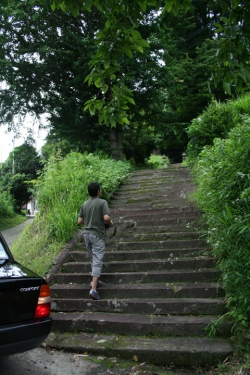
[
  {"x": 43, "y": 304},
  {"x": 44, "y": 291}
]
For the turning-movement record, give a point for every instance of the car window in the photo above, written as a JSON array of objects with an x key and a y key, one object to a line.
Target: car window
[{"x": 3, "y": 254}]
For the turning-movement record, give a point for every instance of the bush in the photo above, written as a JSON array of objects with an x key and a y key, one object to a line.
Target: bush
[
  {"x": 242, "y": 104},
  {"x": 155, "y": 161},
  {"x": 6, "y": 204},
  {"x": 215, "y": 122},
  {"x": 223, "y": 178}
]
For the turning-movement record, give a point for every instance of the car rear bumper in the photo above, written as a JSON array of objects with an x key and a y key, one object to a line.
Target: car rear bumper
[{"x": 17, "y": 338}]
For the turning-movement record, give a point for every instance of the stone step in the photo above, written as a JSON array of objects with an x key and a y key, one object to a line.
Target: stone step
[
  {"x": 155, "y": 306},
  {"x": 157, "y": 180},
  {"x": 174, "y": 199},
  {"x": 156, "y": 222},
  {"x": 155, "y": 173},
  {"x": 147, "y": 185},
  {"x": 144, "y": 204},
  {"x": 82, "y": 256},
  {"x": 184, "y": 351},
  {"x": 139, "y": 209},
  {"x": 175, "y": 195},
  {"x": 180, "y": 276},
  {"x": 143, "y": 265},
  {"x": 148, "y": 245},
  {"x": 152, "y": 214},
  {"x": 171, "y": 202},
  {"x": 179, "y": 183},
  {"x": 133, "y": 291},
  {"x": 132, "y": 228},
  {"x": 135, "y": 324},
  {"x": 155, "y": 236}
]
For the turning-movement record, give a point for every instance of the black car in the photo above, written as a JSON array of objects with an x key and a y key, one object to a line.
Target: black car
[{"x": 24, "y": 305}]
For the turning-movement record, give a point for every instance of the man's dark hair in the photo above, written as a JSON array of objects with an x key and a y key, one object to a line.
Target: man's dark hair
[{"x": 93, "y": 189}]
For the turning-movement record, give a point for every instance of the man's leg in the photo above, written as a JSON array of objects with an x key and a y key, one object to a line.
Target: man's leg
[
  {"x": 94, "y": 282},
  {"x": 98, "y": 250},
  {"x": 90, "y": 255}
]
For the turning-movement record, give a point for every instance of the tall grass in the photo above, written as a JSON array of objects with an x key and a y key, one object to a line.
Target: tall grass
[{"x": 61, "y": 190}]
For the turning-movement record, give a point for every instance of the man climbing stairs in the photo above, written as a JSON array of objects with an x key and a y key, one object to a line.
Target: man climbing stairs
[{"x": 161, "y": 282}]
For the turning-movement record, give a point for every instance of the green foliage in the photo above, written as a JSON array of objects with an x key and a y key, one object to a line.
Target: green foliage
[
  {"x": 17, "y": 174},
  {"x": 232, "y": 29},
  {"x": 223, "y": 178},
  {"x": 155, "y": 161},
  {"x": 61, "y": 190},
  {"x": 214, "y": 122},
  {"x": 117, "y": 38},
  {"x": 7, "y": 222},
  {"x": 242, "y": 104},
  {"x": 63, "y": 187},
  {"x": 6, "y": 205},
  {"x": 214, "y": 327}
]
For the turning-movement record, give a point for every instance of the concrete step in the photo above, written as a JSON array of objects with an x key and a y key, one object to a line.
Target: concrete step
[
  {"x": 157, "y": 222},
  {"x": 135, "y": 324},
  {"x": 143, "y": 265},
  {"x": 169, "y": 207},
  {"x": 148, "y": 245},
  {"x": 156, "y": 236},
  {"x": 80, "y": 254},
  {"x": 174, "y": 196},
  {"x": 132, "y": 228},
  {"x": 157, "y": 180},
  {"x": 179, "y": 184},
  {"x": 155, "y": 306},
  {"x": 132, "y": 291},
  {"x": 180, "y": 276},
  {"x": 184, "y": 351},
  {"x": 166, "y": 212},
  {"x": 152, "y": 189},
  {"x": 152, "y": 214}
]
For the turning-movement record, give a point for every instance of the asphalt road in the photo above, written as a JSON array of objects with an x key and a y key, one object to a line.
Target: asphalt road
[{"x": 11, "y": 234}]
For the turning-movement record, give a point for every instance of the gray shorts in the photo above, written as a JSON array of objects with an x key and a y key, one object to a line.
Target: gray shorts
[{"x": 96, "y": 250}]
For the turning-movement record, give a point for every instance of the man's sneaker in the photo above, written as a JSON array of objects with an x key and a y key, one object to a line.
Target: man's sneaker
[
  {"x": 93, "y": 294},
  {"x": 99, "y": 284}
]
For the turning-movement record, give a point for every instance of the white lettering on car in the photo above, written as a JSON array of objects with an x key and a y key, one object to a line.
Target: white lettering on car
[{"x": 30, "y": 289}]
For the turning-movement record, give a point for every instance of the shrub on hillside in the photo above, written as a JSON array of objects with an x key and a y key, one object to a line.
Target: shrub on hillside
[
  {"x": 242, "y": 104},
  {"x": 223, "y": 178},
  {"x": 61, "y": 190},
  {"x": 63, "y": 187},
  {"x": 6, "y": 204},
  {"x": 215, "y": 122}
]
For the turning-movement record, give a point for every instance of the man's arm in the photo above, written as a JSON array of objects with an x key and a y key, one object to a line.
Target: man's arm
[
  {"x": 107, "y": 220},
  {"x": 80, "y": 220}
]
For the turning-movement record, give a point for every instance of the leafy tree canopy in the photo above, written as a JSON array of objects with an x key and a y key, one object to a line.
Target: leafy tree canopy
[{"x": 120, "y": 36}]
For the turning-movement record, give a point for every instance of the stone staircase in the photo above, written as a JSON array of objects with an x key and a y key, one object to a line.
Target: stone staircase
[{"x": 162, "y": 286}]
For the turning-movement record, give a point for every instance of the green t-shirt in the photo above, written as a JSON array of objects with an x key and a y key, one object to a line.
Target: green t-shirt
[{"x": 92, "y": 212}]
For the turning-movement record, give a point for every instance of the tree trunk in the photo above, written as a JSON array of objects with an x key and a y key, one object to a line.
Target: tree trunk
[{"x": 116, "y": 142}]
